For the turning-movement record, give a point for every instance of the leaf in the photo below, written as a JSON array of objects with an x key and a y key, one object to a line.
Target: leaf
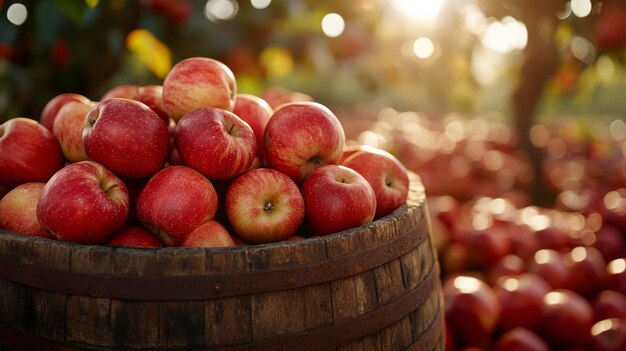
[
  {"x": 92, "y": 3},
  {"x": 150, "y": 51}
]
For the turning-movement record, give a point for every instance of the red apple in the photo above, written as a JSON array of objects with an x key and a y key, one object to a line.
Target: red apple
[
  {"x": 198, "y": 82},
  {"x": 150, "y": 95},
  {"x": 487, "y": 247},
  {"x": 387, "y": 176},
  {"x": 264, "y": 205},
  {"x": 301, "y": 137},
  {"x": 135, "y": 236},
  {"x": 277, "y": 96},
  {"x": 49, "y": 112},
  {"x": 337, "y": 198},
  {"x": 28, "y": 153},
  {"x": 609, "y": 335},
  {"x": 353, "y": 149},
  {"x": 174, "y": 202},
  {"x": 256, "y": 112},
  {"x": 209, "y": 234},
  {"x": 18, "y": 210},
  {"x": 566, "y": 319},
  {"x": 83, "y": 202},
  {"x": 610, "y": 242},
  {"x": 472, "y": 310},
  {"x": 521, "y": 300},
  {"x": 127, "y": 137},
  {"x": 550, "y": 265},
  {"x": 588, "y": 271},
  {"x": 609, "y": 304},
  {"x": 520, "y": 339},
  {"x": 509, "y": 265},
  {"x": 215, "y": 142},
  {"x": 68, "y": 129}
]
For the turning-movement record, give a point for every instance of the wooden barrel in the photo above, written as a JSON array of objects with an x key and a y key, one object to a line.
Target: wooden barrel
[{"x": 375, "y": 287}]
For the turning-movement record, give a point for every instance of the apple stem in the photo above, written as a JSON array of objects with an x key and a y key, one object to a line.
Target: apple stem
[
  {"x": 315, "y": 160},
  {"x": 230, "y": 131},
  {"x": 269, "y": 207}
]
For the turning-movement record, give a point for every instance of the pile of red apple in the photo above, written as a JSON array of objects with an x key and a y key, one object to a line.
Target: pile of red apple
[
  {"x": 515, "y": 276},
  {"x": 190, "y": 163}
]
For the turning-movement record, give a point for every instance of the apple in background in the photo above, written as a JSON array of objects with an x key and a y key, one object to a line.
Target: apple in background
[
  {"x": 521, "y": 300},
  {"x": 28, "y": 152},
  {"x": 295, "y": 238},
  {"x": 127, "y": 137},
  {"x": 256, "y": 112},
  {"x": 301, "y": 137},
  {"x": 174, "y": 202},
  {"x": 337, "y": 198},
  {"x": 449, "y": 338},
  {"x": 209, "y": 234},
  {"x": 487, "y": 247},
  {"x": 472, "y": 310},
  {"x": 83, "y": 202},
  {"x": 609, "y": 304},
  {"x": 520, "y": 339},
  {"x": 277, "y": 96},
  {"x": 588, "y": 271},
  {"x": 18, "y": 210},
  {"x": 387, "y": 176},
  {"x": 509, "y": 265},
  {"x": 3, "y": 191},
  {"x": 609, "y": 335},
  {"x": 566, "y": 319},
  {"x": 264, "y": 205},
  {"x": 198, "y": 82},
  {"x": 215, "y": 142},
  {"x": 49, "y": 112},
  {"x": 68, "y": 129},
  {"x": 610, "y": 242},
  {"x": 350, "y": 150},
  {"x": 550, "y": 265},
  {"x": 135, "y": 236},
  {"x": 150, "y": 95}
]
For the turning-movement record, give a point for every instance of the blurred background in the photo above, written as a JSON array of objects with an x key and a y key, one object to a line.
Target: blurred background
[{"x": 512, "y": 112}]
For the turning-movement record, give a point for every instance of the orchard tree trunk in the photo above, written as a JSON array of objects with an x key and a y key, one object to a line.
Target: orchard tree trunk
[{"x": 540, "y": 64}]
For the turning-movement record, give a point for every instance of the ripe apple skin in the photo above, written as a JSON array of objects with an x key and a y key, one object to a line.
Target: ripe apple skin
[
  {"x": 301, "y": 137},
  {"x": 609, "y": 304},
  {"x": 198, "y": 82},
  {"x": 587, "y": 267},
  {"x": 135, "y": 236},
  {"x": 174, "y": 202},
  {"x": 337, "y": 198},
  {"x": 277, "y": 96},
  {"x": 521, "y": 300},
  {"x": 28, "y": 153},
  {"x": 609, "y": 335},
  {"x": 49, "y": 112},
  {"x": 68, "y": 129},
  {"x": 566, "y": 319},
  {"x": 18, "y": 210},
  {"x": 520, "y": 339},
  {"x": 127, "y": 137},
  {"x": 264, "y": 205},
  {"x": 150, "y": 95},
  {"x": 84, "y": 202},
  {"x": 387, "y": 176},
  {"x": 550, "y": 265},
  {"x": 256, "y": 112},
  {"x": 209, "y": 234},
  {"x": 472, "y": 310},
  {"x": 215, "y": 142}
]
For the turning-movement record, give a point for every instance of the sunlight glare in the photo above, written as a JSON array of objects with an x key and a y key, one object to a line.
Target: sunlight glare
[
  {"x": 423, "y": 47},
  {"x": 420, "y": 10},
  {"x": 333, "y": 25},
  {"x": 506, "y": 35}
]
